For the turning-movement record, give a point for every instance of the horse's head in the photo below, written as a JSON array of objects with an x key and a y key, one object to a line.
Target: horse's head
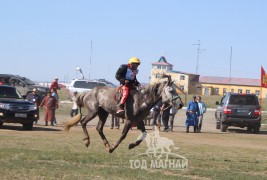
[{"x": 169, "y": 93}]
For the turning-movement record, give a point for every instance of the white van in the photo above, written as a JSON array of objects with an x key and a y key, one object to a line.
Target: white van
[{"x": 83, "y": 85}]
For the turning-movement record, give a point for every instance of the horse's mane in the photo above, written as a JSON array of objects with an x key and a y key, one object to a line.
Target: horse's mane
[{"x": 149, "y": 93}]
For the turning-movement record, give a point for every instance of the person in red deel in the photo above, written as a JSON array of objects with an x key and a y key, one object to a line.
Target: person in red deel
[
  {"x": 126, "y": 75},
  {"x": 54, "y": 85},
  {"x": 50, "y": 104}
]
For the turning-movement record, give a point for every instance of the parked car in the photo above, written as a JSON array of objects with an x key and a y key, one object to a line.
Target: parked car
[
  {"x": 15, "y": 109},
  {"x": 83, "y": 85},
  {"x": 23, "y": 84},
  {"x": 239, "y": 110}
]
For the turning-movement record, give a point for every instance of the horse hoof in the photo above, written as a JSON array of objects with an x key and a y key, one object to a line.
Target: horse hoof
[
  {"x": 111, "y": 150},
  {"x": 86, "y": 143},
  {"x": 131, "y": 146},
  {"x": 107, "y": 145}
]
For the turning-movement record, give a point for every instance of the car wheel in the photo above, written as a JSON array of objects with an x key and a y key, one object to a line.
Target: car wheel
[
  {"x": 1, "y": 124},
  {"x": 249, "y": 129},
  {"x": 256, "y": 130},
  {"x": 28, "y": 126},
  {"x": 223, "y": 127}
]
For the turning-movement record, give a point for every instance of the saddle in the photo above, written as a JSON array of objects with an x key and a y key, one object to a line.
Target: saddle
[
  {"x": 133, "y": 101},
  {"x": 118, "y": 94}
]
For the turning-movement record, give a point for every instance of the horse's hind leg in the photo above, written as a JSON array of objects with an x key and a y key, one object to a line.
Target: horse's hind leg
[
  {"x": 84, "y": 121},
  {"x": 102, "y": 114}
]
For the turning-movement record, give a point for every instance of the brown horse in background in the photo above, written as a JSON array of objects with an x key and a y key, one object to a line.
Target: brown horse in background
[{"x": 100, "y": 101}]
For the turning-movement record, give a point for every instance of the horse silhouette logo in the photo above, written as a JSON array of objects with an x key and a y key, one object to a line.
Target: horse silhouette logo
[
  {"x": 158, "y": 146},
  {"x": 158, "y": 154}
]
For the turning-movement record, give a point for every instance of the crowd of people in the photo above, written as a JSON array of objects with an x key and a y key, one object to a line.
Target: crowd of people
[{"x": 49, "y": 103}]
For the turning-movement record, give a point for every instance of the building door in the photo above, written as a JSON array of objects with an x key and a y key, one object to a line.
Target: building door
[{"x": 207, "y": 91}]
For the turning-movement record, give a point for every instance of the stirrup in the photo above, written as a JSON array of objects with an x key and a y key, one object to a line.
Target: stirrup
[{"x": 120, "y": 111}]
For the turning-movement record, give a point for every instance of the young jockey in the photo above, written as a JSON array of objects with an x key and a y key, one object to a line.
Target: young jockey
[{"x": 126, "y": 75}]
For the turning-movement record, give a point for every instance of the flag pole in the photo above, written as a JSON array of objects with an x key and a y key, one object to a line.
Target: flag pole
[
  {"x": 261, "y": 88},
  {"x": 261, "y": 96}
]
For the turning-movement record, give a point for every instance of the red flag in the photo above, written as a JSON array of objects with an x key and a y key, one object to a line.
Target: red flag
[{"x": 263, "y": 78}]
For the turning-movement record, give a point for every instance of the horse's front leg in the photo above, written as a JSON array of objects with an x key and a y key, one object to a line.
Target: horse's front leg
[
  {"x": 126, "y": 129},
  {"x": 141, "y": 126}
]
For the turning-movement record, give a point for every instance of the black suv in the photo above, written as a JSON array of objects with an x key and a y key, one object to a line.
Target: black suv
[
  {"x": 15, "y": 109},
  {"x": 23, "y": 84},
  {"x": 239, "y": 110}
]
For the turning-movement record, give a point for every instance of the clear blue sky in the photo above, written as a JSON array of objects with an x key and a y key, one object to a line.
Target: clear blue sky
[{"x": 41, "y": 39}]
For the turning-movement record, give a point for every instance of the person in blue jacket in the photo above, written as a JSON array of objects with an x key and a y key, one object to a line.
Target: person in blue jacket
[{"x": 192, "y": 113}]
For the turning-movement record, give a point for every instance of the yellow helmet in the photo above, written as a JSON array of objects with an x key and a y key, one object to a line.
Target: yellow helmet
[{"x": 134, "y": 60}]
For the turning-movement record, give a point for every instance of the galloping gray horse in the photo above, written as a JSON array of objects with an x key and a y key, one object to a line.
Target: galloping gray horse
[{"x": 100, "y": 101}]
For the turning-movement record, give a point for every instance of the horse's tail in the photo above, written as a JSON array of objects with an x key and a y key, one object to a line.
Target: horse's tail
[{"x": 73, "y": 121}]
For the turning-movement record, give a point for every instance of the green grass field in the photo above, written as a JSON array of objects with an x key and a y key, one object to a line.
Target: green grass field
[{"x": 55, "y": 155}]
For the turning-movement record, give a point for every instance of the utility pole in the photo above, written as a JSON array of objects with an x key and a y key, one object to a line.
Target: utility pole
[
  {"x": 198, "y": 51},
  {"x": 230, "y": 78}
]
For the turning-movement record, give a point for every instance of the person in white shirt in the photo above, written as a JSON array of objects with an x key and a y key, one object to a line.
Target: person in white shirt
[
  {"x": 202, "y": 109},
  {"x": 74, "y": 109}
]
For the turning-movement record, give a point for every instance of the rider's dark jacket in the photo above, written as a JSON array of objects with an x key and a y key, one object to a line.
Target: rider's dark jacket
[{"x": 123, "y": 73}]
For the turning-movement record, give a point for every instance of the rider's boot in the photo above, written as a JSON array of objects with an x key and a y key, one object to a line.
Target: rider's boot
[{"x": 121, "y": 109}]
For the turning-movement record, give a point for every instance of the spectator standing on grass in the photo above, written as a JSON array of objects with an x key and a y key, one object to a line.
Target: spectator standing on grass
[
  {"x": 173, "y": 112},
  {"x": 165, "y": 115},
  {"x": 156, "y": 115},
  {"x": 54, "y": 94},
  {"x": 74, "y": 109},
  {"x": 202, "y": 109},
  {"x": 50, "y": 104},
  {"x": 115, "y": 121},
  {"x": 54, "y": 85},
  {"x": 36, "y": 99},
  {"x": 192, "y": 113}
]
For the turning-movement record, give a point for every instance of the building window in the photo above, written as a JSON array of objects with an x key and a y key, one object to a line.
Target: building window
[
  {"x": 158, "y": 75},
  {"x": 182, "y": 88},
  {"x": 224, "y": 91},
  {"x": 232, "y": 90},
  {"x": 207, "y": 91},
  {"x": 239, "y": 91},
  {"x": 257, "y": 92},
  {"x": 199, "y": 90},
  {"x": 247, "y": 91},
  {"x": 182, "y": 77},
  {"x": 216, "y": 91}
]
